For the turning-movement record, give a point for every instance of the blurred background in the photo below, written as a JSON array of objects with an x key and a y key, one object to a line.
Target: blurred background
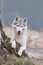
[{"x": 32, "y": 9}]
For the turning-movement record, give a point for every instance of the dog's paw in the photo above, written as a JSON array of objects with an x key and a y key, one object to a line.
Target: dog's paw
[{"x": 19, "y": 54}]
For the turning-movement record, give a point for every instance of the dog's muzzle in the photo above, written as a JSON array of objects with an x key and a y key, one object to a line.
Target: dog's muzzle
[{"x": 19, "y": 32}]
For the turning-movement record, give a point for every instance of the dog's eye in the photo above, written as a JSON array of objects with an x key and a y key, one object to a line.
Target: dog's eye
[
  {"x": 21, "y": 26},
  {"x": 17, "y": 25}
]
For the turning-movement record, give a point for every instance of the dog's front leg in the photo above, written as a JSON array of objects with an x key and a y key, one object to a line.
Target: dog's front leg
[
  {"x": 22, "y": 48},
  {"x": 13, "y": 44},
  {"x": 12, "y": 41}
]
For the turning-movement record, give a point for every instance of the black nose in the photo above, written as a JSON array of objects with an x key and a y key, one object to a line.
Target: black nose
[{"x": 19, "y": 32}]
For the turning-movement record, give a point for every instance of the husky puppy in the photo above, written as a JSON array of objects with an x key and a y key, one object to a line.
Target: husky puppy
[{"x": 19, "y": 33}]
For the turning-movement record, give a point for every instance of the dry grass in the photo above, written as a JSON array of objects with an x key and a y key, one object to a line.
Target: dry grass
[{"x": 14, "y": 60}]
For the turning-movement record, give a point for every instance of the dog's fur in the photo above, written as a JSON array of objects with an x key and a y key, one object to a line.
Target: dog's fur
[{"x": 19, "y": 33}]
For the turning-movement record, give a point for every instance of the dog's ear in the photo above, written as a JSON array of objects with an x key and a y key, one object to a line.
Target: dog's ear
[
  {"x": 25, "y": 20},
  {"x": 17, "y": 18}
]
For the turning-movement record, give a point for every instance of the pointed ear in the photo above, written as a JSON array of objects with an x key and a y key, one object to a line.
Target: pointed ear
[
  {"x": 17, "y": 18},
  {"x": 25, "y": 20}
]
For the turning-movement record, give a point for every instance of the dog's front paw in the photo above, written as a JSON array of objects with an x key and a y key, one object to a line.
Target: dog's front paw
[
  {"x": 13, "y": 44},
  {"x": 19, "y": 53}
]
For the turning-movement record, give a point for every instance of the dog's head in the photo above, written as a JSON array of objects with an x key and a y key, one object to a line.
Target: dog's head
[{"x": 19, "y": 25}]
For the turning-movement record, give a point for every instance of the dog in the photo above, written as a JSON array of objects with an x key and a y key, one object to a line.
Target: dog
[{"x": 19, "y": 33}]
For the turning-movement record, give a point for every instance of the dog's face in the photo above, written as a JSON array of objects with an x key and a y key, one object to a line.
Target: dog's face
[{"x": 20, "y": 25}]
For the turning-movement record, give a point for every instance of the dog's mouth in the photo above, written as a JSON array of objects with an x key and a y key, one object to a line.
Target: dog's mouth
[{"x": 19, "y": 33}]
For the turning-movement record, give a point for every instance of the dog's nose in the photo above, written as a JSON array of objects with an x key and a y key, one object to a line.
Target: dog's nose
[{"x": 19, "y": 32}]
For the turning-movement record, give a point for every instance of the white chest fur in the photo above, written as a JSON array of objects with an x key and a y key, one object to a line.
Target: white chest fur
[{"x": 22, "y": 39}]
